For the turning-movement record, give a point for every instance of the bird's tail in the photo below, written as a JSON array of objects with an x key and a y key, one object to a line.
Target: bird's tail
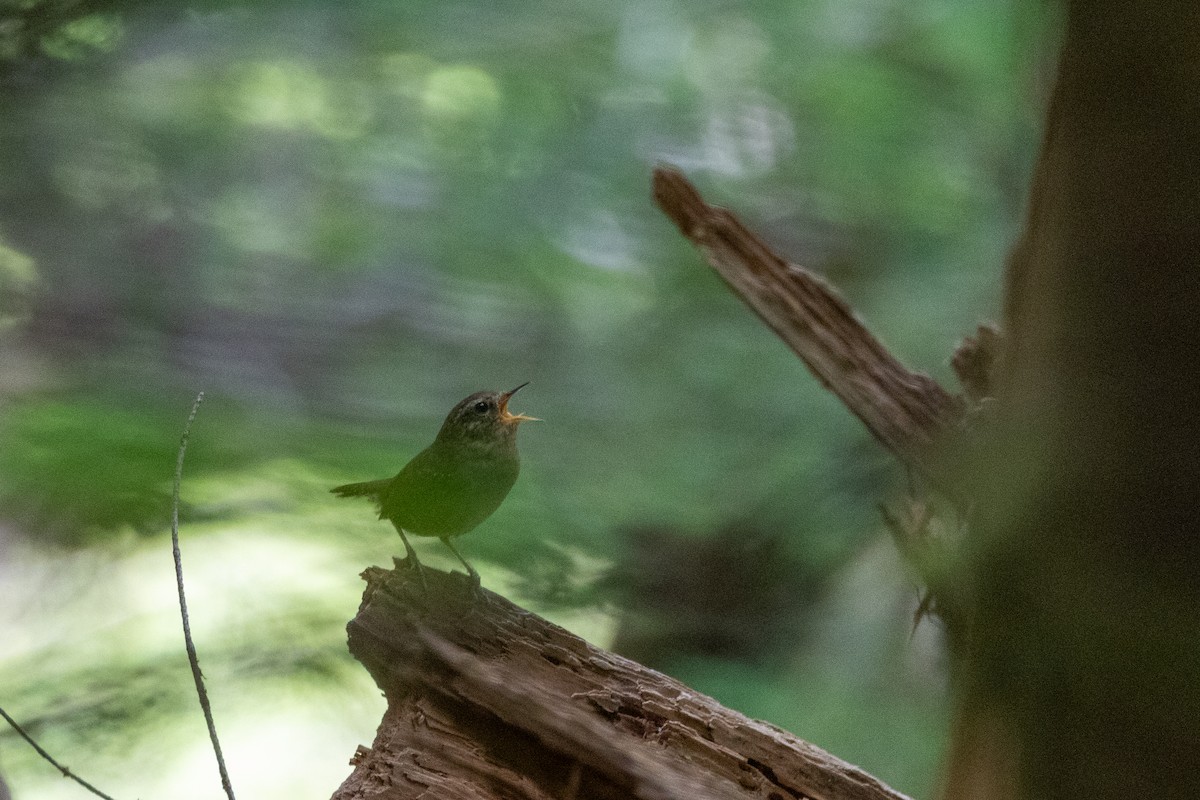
[{"x": 371, "y": 489}]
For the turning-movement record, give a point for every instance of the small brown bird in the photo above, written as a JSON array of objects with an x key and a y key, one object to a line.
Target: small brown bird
[{"x": 455, "y": 483}]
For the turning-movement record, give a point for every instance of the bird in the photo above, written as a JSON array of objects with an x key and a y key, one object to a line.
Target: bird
[{"x": 455, "y": 483}]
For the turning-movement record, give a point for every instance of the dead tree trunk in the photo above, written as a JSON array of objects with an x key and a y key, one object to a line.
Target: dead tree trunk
[{"x": 1081, "y": 676}]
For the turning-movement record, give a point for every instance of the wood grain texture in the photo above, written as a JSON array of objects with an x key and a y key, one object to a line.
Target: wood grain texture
[
  {"x": 908, "y": 412},
  {"x": 487, "y": 700}
]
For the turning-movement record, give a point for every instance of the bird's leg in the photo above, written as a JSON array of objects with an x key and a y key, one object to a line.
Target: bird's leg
[
  {"x": 470, "y": 570},
  {"x": 410, "y": 555}
]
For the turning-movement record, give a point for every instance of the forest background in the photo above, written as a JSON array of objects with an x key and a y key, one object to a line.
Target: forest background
[{"x": 339, "y": 219}]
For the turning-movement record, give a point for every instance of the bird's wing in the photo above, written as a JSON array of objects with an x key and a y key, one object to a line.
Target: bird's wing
[{"x": 429, "y": 494}]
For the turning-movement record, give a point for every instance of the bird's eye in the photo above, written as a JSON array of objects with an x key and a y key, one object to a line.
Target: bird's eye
[{"x": 482, "y": 406}]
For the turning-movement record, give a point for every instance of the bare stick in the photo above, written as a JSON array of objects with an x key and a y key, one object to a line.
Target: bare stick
[
  {"x": 193, "y": 660},
  {"x": 64, "y": 770}
]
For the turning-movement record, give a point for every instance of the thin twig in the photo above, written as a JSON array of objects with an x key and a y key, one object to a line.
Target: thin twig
[
  {"x": 193, "y": 660},
  {"x": 64, "y": 770}
]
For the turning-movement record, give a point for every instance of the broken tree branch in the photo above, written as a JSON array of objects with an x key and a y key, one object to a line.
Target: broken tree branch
[
  {"x": 487, "y": 700},
  {"x": 906, "y": 411}
]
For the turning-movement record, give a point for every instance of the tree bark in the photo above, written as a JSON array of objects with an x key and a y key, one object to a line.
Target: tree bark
[{"x": 487, "y": 700}]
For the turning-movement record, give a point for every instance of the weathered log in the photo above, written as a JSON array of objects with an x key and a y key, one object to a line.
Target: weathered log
[{"x": 488, "y": 700}]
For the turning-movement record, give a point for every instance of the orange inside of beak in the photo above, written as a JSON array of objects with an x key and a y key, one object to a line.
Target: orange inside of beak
[{"x": 509, "y": 418}]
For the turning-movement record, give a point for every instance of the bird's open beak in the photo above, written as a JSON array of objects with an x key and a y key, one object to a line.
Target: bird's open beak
[{"x": 513, "y": 419}]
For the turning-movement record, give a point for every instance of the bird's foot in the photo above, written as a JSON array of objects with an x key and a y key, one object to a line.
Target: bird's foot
[
  {"x": 475, "y": 586},
  {"x": 410, "y": 562},
  {"x": 472, "y": 575}
]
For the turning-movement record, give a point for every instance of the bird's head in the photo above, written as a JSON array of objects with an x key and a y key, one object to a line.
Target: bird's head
[{"x": 482, "y": 417}]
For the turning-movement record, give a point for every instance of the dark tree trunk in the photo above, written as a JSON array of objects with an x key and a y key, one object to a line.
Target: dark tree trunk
[{"x": 1080, "y": 676}]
